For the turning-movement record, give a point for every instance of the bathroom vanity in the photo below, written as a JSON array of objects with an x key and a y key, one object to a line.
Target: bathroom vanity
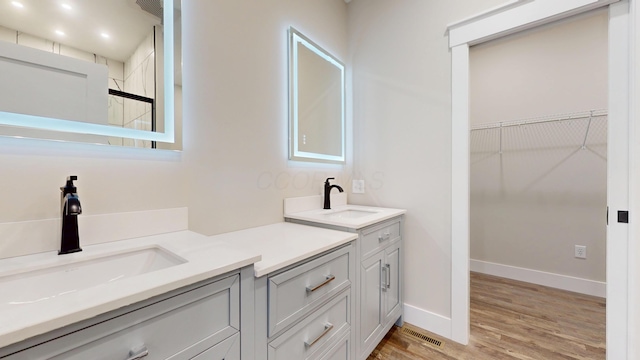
[
  {"x": 201, "y": 321},
  {"x": 304, "y": 291},
  {"x": 378, "y": 253},
  {"x": 198, "y": 307},
  {"x": 278, "y": 292}
]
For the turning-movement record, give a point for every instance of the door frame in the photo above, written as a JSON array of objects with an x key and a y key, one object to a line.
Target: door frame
[{"x": 507, "y": 19}]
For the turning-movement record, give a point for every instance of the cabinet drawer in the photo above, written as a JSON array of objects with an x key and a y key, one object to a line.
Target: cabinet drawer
[
  {"x": 295, "y": 292},
  {"x": 378, "y": 237},
  {"x": 228, "y": 349},
  {"x": 308, "y": 339},
  {"x": 177, "y": 328},
  {"x": 341, "y": 350}
]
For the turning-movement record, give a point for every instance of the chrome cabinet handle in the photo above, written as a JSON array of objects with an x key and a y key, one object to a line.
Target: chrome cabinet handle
[
  {"x": 138, "y": 353},
  {"x": 329, "y": 279},
  {"x": 327, "y": 327},
  {"x": 383, "y": 281},
  {"x": 385, "y": 236},
  {"x": 388, "y": 275}
]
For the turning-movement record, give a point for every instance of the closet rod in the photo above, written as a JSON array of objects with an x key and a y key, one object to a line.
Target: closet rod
[{"x": 549, "y": 119}]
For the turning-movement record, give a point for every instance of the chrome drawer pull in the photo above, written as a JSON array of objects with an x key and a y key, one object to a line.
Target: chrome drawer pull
[
  {"x": 327, "y": 327},
  {"x": 383, "y": 283},
  {"x": 385, "y": 236},
  {"x": 138, "y": 353},
  {"x": 388, "y": 275},
  {"x": 329, "y": 279}
]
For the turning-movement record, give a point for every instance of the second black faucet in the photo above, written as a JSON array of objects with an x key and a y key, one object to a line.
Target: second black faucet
[{"x": 327, "y": 192}]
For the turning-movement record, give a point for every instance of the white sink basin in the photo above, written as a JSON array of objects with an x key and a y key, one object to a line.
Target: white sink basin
[
  {"x": 350, "y": 214},
  {"x": 41, "y": 284}
]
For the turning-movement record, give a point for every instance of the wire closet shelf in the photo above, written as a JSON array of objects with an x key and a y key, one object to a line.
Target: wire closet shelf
[{"x": 581, "y": 129}]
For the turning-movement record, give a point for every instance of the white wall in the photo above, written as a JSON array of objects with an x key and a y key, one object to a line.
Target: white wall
[
  {"x": 401, "y": 81},
  {"x": 110, "y": 179},
  {"x": 236, "y": 107},
  {"x": 543, "y": 195}
]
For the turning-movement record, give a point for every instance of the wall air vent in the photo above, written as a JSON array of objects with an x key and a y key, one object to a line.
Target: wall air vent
[
  {"x": 153, "y": 7},
  {"x": 420, "y": 334}
]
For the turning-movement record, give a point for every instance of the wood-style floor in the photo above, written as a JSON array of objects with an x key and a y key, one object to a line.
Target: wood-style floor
[{"x": 514, "y": 320}]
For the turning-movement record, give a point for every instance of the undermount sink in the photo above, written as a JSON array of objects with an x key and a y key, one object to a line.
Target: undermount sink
[
  {"x": 350, "y": 214},
  {"x": 46, "y": 283}
]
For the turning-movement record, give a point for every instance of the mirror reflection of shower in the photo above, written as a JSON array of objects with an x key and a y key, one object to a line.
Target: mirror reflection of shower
[{"x": 128, "y": 41}]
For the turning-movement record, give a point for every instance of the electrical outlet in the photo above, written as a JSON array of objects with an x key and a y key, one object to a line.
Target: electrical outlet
[
  {"x": 581, "y": 252},
  {"x": 357, "y": 186}
]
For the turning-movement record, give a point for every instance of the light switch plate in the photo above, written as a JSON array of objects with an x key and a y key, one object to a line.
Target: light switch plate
[{"x": 357, "y": 186}]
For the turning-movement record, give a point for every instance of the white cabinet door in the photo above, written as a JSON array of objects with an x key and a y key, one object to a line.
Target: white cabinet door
[
  {"x": 392, "y": 274},
  {"x": 371, "y": 320}
]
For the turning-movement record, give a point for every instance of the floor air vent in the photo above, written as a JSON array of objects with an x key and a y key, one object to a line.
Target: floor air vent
[{"x": 420, "y": 335}]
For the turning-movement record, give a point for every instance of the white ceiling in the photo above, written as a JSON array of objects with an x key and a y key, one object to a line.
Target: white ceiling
[{"x": 124, "y": 21}]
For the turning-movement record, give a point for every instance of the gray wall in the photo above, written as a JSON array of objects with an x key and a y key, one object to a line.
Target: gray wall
[
  {"x": 236, "y": 107},
  {"x": 401, "y": 83}
]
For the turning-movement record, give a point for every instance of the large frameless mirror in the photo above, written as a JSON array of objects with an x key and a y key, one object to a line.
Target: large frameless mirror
[
  {"x": 317, "y": 102},
  {"x": 100, "y": 71}
]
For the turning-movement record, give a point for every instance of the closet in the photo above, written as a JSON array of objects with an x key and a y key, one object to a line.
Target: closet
[{"x": 538, "y": 162}]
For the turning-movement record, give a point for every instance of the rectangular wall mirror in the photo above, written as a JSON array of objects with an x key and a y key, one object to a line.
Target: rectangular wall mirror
[
  {"x": 316, "y": 101},
  {"x": 99, "y": 71}
]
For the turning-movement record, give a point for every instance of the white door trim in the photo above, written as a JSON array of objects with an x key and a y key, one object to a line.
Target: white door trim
[
  {"x": 618, "y": 181},
  {"x": 515, "y": 16},
  {"x": 460, "y": 194},
  {"x": 634, "y": 195}
]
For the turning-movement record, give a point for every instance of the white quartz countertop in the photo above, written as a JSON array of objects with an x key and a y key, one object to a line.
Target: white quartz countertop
[
  {"x": 284, "y": 244},
  {"x": 205, "y": 257},
  {"x": 346, "y": 216}
]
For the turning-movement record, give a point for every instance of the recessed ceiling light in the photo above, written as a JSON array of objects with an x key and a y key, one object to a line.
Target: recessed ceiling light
[
  {"x": 104, "y": 35},
  {"x": 60, "y": 32},
  {"x": 66, "y": 6},
  {"x": 17, "y": 4}
]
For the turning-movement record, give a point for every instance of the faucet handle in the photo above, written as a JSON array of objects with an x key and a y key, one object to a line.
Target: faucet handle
[
  {"x": 70, "y": 187},
  {"x": 70, "y": 180},
  {"x": 327, "y": 181}
]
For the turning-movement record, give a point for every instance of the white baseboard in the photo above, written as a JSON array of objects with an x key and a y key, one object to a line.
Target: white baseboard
[
  {"x": 427, "y": 320},
  {"x": 442, "y": 325},
  {"x": 570, "y": 283}
]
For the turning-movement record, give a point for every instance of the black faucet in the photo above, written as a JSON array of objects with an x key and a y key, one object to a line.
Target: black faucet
[
  {"x": 70, "y": 209},
  {"x": 327, "y": 192}
]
